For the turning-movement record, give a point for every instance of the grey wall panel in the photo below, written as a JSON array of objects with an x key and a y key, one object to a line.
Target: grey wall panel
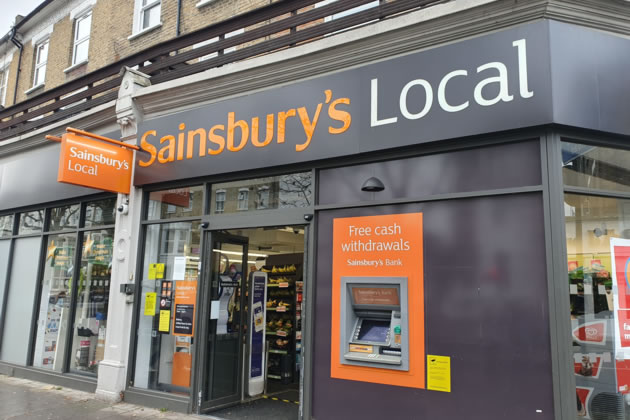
[
  {"x": 505, "y": 166},
  {"x": 485, "y": 307},
  {"x": 19, "y": 310},
  {"x": 31, "y": 178}
]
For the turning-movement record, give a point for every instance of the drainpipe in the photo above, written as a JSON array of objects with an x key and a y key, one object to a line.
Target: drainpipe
[
  {"x": 179, "y": 12},
  {"x": 20, "y": 46}
]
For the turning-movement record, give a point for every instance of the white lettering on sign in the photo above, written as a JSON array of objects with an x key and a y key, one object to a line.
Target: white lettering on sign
[
  {"x": 98, "y": 158},
  {"x": 500, "y": 79}
]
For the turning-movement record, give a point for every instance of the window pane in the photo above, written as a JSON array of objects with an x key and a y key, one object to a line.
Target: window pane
[
  {"x": 277, "y": 192},
  {"x": 6, "y": 226},
  {"x": 31, "y": 222},
  {"x": 42, "y": 53},
  {"x": 102, "y": 212},
  {"x": 163, "y": 360},
  {"x": 54, "y": 306},
  {"x": 151, "y": 16},
  {"x": 81, "y": 51},
  {"x": 593, "y": 167},
  {"x": 178, "y": 202},
  {"x": 66, "y": 217},
  {"x": 83, "y": 27},
  {"x": 40, "y": 74},
  {"x": 19, "y": 311},
  {"x": 90, "y": 321},
  {"x": 599, "y": 360}
]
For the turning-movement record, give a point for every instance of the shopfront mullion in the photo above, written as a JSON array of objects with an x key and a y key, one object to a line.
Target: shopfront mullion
[{"x": 73, "y": 302}]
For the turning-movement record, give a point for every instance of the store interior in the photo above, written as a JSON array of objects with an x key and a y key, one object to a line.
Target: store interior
[{"x": 278, "y": 252}]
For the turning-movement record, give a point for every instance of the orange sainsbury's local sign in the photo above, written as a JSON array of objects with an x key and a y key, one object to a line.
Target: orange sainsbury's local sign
[{"x": 96, "y": 162}]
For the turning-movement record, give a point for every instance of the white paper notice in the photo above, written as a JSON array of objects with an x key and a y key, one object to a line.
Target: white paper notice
[
  {"x": 214, "y": 309},
  {"x": 179, "y": 268},
  {"x": 601, "y": 289},
  {"x": 573, "y": 289},
  {"x": 588, "y": 289}
]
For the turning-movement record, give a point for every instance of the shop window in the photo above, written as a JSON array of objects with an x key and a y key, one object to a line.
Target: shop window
[
  {"x": 82, "y": 25},
  {"x": 243, "y": 199},
  {"x": 90, "y": 320},
  {"x": 41, "y": 58},
  {"x": 65, "y": 217},
  {"x": 6, "y": 226},
  {"x": 219, "y": 199},
  {"x": 593, "y": 167},
  {"x": 100, "y": 213},
  {"x": 31, "y": 222},
  {"x": 262, "y": 198},
  {"x": 176, "y": 202},
  {"x": 171, "y": 270},
  {"x": 54, "y": 306},
  {"x": 276, "y": 192}
]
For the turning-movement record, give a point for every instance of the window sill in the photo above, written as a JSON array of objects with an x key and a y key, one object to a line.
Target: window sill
[
  {"x": 74, "y": 66},
  {"x": 144, "y": 31},
  {"x": 204, "y": 3},
  {"x": 34, "y": 88}
]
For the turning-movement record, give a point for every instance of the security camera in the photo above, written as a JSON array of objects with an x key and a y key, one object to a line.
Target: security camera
[
  {"x": 123, "y": 209},
  {"x": 308, "y": 217}
]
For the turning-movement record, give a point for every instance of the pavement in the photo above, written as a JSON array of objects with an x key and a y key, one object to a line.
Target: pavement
[{"x": 25, "y": 399}]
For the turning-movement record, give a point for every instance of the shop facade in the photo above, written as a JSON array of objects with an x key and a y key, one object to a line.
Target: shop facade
[{"x": 503, "y": 153}]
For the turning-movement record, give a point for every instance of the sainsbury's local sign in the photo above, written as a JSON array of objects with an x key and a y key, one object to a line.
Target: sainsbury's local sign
[
  {"x": 491, "y": 83},
  {"x": 94, "y": 164}
]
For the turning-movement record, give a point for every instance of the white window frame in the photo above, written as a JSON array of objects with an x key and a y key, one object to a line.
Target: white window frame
[
  {"x": 138, "y": 18},
  {"x": 38, "y": 66},
  {"x": 77, "y": 42},
  {"x": 243, "y": 199},
  {"x": 219, "y": 194},
  {"x": 4, "y": 81}
]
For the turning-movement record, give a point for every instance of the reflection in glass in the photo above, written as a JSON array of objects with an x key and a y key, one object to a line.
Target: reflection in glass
[
  {"x": 594, "y": 167},
  {"x": 54, "y": 306},
  {"x": 31, "y": 222},
  {"x": 276, "y": 192},
  {"x": 65, "y": 217},
  {"x": 6, "y": 226},
  {"x": 101, "y": 212},
  {"x": 90, "y": 321},
  {"x": 177, "y": 202},
  {"x": 598, "y": 360},
  {"x": 171, "y": 268}
]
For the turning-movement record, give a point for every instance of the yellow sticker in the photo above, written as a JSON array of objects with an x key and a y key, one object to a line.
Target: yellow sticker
[
  {"x": 165, "y": 321},
  {"x": 439, "y": 373},
  {"x": 152, "y": 271},
  {"x": 159, "y": 271},
  {"x": 149, "y": 303}
]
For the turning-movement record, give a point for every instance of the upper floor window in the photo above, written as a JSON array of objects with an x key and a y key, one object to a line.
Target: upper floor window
[
  {"x": 4, "y": 77},
  {"x": 219, "y": 198},
  {"x": 41, "y": 57},
  {"x": 82, "y": 26},
  {"x": 150, "y": 13}
]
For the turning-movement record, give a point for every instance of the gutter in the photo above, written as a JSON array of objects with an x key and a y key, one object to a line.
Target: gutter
[{"x": 20, "y": 46}]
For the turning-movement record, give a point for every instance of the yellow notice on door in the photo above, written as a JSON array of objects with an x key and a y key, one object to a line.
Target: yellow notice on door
[
  {"x": 159, "y": 271},
  {"x": 152, "y": 271},
  {"x": 165, "y": 321},
  {"x": 149, "y": 303},
  {"x": 439, "y": 373}
]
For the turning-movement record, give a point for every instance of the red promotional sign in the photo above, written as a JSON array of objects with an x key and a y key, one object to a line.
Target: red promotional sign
[
  {"x": 624, "y": 327},
  {"x": 622, "y": 264},
  {"x": 591, "y": 332}
]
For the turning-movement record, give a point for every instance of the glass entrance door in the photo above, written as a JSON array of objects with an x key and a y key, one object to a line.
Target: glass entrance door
[{"x": 223, "y": 366}]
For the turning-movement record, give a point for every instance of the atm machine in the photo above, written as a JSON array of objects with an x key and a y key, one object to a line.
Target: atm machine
[{"x": 374, "y": 322}]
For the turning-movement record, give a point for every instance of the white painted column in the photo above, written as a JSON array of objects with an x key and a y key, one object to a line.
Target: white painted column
[{"x": 112, "y": 371}]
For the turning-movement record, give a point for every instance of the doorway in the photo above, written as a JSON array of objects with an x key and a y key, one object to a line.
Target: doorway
[{"x": 252, "y": 361}]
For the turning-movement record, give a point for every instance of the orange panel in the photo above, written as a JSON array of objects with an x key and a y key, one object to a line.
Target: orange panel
[
  {"x": 94, "y": 164},
  {"x": 381, "y": 246}
]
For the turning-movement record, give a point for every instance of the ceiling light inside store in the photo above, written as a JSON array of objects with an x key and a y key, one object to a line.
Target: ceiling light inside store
[{"x": 249, "y": 254}]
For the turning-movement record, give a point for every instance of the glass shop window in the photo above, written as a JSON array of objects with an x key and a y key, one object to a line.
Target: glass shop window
[
  {"x": 276, "y": 192},
  {"x": 6, "y": 226},
  {"x": 100, "y": 213},
  {"x": 65, "y": 217},
  {"x": 31, "y": 222},
  {"x": 169, "y": 285},
  {"x": 176, "y": 202}
]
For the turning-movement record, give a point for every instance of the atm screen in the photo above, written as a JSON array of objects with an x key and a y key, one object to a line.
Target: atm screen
[{"x": 374, "y": 330}]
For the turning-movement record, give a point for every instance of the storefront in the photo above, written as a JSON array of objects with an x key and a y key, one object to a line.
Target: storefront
[{"x": 416, "y": 234}]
